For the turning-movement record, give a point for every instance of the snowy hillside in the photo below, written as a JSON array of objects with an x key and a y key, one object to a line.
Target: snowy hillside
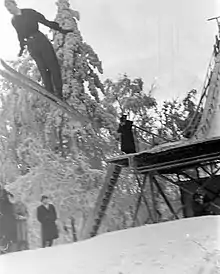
[{"x": 177, "y": 247}]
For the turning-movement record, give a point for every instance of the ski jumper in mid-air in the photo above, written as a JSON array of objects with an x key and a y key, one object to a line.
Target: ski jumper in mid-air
[{"x": 26, "y": 21}]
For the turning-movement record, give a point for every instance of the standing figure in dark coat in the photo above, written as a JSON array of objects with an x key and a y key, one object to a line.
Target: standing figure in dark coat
[
  {"x": 46, "y": 215},
  {"x": 8, "y": 229},
  {"x": 26, "y": 21},
  {"x": 127, "y": 137}
]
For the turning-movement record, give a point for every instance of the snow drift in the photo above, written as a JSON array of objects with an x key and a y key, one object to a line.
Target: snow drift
[{"x": 183, "y": 246}]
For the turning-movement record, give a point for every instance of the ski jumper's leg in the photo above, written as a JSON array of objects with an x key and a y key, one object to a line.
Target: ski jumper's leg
[
  {"x": 50, "y": 59},
  {"x": 34, "y": 48},
  {"x": 54, "y": 69}
]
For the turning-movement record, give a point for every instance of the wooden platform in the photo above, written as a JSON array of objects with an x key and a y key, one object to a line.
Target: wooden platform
[{"x": 170, "y": 156}]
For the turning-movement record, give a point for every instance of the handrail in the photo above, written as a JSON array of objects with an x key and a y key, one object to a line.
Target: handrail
[
  {"x": 154, "y": 134},
  {"x": 204, "y": 91}
]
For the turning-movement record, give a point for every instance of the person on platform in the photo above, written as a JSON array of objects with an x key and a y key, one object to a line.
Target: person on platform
[
  {"x": 46, "y": 215},
  {"x": 26, "y": 23},
  {"x": 127, "y": 136}
]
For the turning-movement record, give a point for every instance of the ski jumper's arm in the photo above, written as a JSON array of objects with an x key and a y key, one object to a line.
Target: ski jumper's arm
[
  {"x": 21, "y": 38},
  {"x": 51, "y": 24},
  {"x": 26, "y": 25}
]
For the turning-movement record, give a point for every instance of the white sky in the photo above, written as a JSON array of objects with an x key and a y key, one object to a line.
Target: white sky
[{"x": 170, "y": 41}]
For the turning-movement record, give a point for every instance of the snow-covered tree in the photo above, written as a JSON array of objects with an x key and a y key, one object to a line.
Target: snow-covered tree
[
  {"x": 80, "y": 64},
  {"x": 81, "y": 68}
]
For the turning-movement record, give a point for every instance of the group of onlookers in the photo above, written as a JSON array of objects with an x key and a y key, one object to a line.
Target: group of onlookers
[{"x": 14, "y": 223}]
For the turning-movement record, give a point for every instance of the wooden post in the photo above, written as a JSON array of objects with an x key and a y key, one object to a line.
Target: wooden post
[
  {"x": 165, "y": 197},
  {"x": 136, "y": 211},
  {"x": 73, "y": 229},
  {"x": 154, "y": 203},
  {"x": 143, "y": 196}
]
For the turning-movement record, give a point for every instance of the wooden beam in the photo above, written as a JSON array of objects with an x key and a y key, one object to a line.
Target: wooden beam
[
  {"x": 207, "y": 181},
  {"x": 141, "y": 186},
  {"x": 165, "y": 197},
  {"x": 185, "y": 189},
  {"x": 136, "y": 210},
  {"x": 174, "y": 164},
  {"x": 205, "y": 170},
  {"x": 154, "y": 203}
]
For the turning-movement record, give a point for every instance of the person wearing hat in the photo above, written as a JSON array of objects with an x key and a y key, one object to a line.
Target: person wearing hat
[
  {"x": 46, "y": 215},
  {"x": 26, "y": 23},
  {"x": 127, "y": 136}
]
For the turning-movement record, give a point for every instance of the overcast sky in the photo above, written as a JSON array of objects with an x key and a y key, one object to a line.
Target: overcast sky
[{"x": 167, "y": 41}]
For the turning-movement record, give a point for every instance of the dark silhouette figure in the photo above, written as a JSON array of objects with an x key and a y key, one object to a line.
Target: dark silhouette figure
[
  {"x": 127, "y": 137},
  {"x": 201, "y": 205},
  {"x": 8, "y": 229},
  {"x": 26, "y": 21},
  {"x": 46, "y": 215}
]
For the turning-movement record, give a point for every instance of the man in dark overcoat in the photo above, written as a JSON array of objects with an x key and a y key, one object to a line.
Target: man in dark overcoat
[
  {"x": 46, "y": 215},
  {"x": 8, "y": 230},
  {"x": 127, "y": 136}
]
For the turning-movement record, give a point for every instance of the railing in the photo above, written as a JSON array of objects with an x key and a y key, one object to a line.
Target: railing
[
  {"x": 194, "y": 122},
  {"x": 151, "y": 139}
]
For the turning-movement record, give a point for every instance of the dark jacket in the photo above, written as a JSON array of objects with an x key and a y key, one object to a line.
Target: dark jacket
[
  {"x": 47, "y": 218},
  {"x": 26, "y": 24},
  {"x": 8, "y": 227},
  {"x": 127, "y": 137}
]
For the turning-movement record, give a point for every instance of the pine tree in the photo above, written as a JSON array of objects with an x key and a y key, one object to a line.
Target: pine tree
[
  {"x": 80, "y": 64},
  {"x": 81, "y": 68}
]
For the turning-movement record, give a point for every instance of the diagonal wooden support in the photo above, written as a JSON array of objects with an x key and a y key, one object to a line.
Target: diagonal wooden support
[
  {"x": 165, "y": 197},
  {"x": 141, "y": 186},
  {"x": 154, "y": 203},
  {"x": 185, "y": 189},
  {"x": 204, "y": 185},
  {"x": 205, "y": 170},
  {"x": 136, "y": 211}
]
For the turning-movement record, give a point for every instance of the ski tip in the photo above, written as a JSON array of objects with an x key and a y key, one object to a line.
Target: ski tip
[{"x": 3, "y": 63}]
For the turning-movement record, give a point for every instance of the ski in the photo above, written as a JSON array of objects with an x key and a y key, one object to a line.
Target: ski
[{"x": 24, "y": 82}]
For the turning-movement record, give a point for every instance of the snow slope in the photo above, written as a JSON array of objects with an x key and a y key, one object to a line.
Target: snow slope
[{"x": 176, "y": 247}]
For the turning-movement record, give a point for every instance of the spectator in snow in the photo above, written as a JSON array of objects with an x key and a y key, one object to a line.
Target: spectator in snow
[
  {"x": 8, "y": 221},
  {"x": 46, "y": 215},
  {"x": 21, "y": 215}
]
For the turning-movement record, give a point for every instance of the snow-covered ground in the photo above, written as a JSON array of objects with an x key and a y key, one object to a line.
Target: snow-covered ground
[{"x": 177, "y": 247}]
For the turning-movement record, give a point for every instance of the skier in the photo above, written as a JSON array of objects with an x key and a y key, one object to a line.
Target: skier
[{"x": 25, "y": 21}]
